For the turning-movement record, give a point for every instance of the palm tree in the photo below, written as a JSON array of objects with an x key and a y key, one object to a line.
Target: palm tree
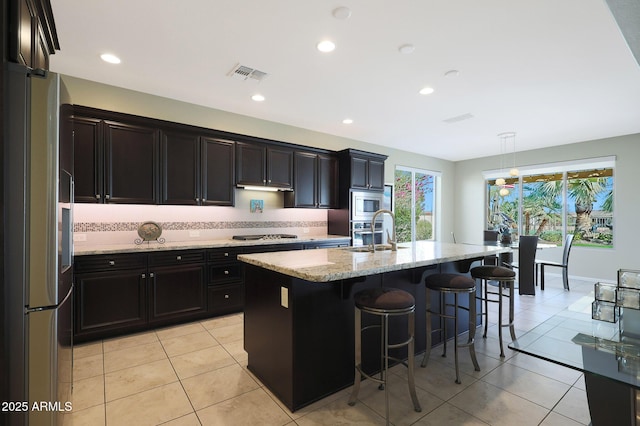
[
  {"x": 584, "y": 192},
  {"x": 541, "y": 203}
]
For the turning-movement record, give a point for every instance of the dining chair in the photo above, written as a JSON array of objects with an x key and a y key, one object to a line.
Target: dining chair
[
  {"x": 526, "y": 265},
  {"x": 568, "y": 242}
]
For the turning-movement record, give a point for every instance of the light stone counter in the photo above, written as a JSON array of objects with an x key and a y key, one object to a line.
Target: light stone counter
[
  {"x": 80, "y": 250},
  {"x": 333, "y": 264}
]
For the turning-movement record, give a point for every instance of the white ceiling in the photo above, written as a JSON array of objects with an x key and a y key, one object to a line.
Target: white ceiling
[{"x": 554, "y": 71}]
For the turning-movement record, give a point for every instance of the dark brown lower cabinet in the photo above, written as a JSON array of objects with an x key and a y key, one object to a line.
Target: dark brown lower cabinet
[
  {"x": 110, "y": 302},
  {"x": 177, "y": 292}
]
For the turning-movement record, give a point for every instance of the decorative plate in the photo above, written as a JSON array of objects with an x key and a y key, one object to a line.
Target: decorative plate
[{"x": 149, "y": 231}]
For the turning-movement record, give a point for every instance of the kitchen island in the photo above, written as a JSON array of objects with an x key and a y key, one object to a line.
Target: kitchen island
[{"x": 299, "y": 310}]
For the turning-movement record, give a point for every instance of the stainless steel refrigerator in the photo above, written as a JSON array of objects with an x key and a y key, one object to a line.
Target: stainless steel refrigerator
[{"x": 39, "y": 252}]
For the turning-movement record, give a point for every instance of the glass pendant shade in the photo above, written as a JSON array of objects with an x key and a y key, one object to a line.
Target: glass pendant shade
[{"x": 500, "y": 182}]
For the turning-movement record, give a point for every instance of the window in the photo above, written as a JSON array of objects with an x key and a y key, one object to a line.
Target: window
[
  {"x": 566, "y": 198},
  {"x": 414, "y": 195}
]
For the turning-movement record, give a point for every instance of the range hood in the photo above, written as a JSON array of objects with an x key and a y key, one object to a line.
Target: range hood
[{"x": 263, "y": 188}]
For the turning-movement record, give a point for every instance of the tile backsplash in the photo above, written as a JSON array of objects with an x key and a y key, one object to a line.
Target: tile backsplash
[{"x": 97, "y": 224}]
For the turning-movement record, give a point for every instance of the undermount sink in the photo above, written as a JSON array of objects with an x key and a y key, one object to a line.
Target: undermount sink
[{"x": 363, "y": 249}]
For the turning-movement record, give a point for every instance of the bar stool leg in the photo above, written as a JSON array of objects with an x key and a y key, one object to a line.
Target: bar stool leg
[
  {"x": 455, "y": 337},
  {"x": 427, "y": 352},
  {"x": 500, "y": 318},
  {"x": 383, "y": 354},
  {"x": 485, "y": 284},
  {"x": 411, "y": 363},
  {"x": 358, "y": 357},
  {"x": 385, "y": 375},
  {"x": 443, "y": 324},
  {"x": 512, "y": 329},
  {"x": 472, "y": 330}
]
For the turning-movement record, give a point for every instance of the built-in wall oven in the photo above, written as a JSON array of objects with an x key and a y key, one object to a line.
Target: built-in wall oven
[
  {"x": 362, "y": 235},
  {"x": 363, "y": 207}
]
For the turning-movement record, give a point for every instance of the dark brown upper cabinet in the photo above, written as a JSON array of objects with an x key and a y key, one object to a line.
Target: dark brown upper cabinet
[
  {"x": 218, "y": 172},
  {"x": 88, "y": 160},
  {"x": 131, "y": 164},
  {"x": 264, "y": 165},
  {"x": 32, "y": 33},
  {"x": 179, "y": 156},
  {"x": 364, "y": 170},
  {"x": 315, "y": 181},
  {"x": 115, "y": 162}
]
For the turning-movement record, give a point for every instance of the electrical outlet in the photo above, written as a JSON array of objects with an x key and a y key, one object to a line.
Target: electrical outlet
[
  {"x": 194, "y": 233},
  {"x": 79, "y": 237},
  {"x": 284, "y": 297}
]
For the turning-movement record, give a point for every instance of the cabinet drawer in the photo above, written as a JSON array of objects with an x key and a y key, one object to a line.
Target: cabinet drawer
[
  {"x": 109, "y": 262},
  {"x": 227, "y": 254},
  {"x": 225, "y": 273},
  {"x": 176, "y": 257},
  {"x": 226, "y": 299}
]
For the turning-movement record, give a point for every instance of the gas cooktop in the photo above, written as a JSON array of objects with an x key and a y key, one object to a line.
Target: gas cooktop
[{"x": 264, "y": 237}]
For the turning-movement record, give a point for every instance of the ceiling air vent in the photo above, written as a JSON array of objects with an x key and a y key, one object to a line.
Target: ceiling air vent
[
  {"x": 242, "y": 72},
  {"x": 458, "y": 118}
]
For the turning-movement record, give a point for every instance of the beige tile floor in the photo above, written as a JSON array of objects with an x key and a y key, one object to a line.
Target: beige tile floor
[{"x": 195, "y": 374}]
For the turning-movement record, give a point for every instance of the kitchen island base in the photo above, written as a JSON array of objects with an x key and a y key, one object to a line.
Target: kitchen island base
[{"x": 299, "y": 335}]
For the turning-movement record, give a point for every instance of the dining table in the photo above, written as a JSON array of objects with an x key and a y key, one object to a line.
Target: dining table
[
  {"x": 607, "y": 353},
  {"x": 527, "y": 275}
]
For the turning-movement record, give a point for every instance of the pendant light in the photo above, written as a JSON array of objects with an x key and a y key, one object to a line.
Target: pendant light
[{"x": 506, "y": 138}]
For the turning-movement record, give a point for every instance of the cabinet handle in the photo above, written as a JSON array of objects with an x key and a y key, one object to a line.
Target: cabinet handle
[
  {"x": 197, "y": 200},
  {"x": 264, "y": 181},
  {"x": 226, "y": 296},
  {"x": 204, "y": 199},
  {"x": 106, "y": 197},
  {"x": 178, "y": 257},
  {"x": 151, "y": 275},
  {"x": 112, "y": 262},
  {"x": 144, "y": 276},
  {"x": 226, "y": 272},
  {"x": 226, "y": 255},
  {"x": 97, "y": 196}
]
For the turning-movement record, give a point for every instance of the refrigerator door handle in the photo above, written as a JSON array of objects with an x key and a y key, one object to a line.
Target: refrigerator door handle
[{"x": 28, "y": 310}]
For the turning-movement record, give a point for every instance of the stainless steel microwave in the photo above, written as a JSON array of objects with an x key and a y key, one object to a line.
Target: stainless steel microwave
[{"x": 365, "y": 204}]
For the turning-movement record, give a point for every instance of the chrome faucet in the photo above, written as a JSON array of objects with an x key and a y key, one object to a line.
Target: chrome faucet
[{"x": 392, "y": 241}]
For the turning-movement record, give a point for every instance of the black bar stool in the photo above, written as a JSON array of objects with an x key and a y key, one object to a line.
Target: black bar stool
[
  {"x": 505, "y": 277},
  {"x": 384, "y": 303},
  {"x": 455, "y": 284}
]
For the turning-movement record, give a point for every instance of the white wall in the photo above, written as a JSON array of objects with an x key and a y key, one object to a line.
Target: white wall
[{"x": 584, "y": 262}]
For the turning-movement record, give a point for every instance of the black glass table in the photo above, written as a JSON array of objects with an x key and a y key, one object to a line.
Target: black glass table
[{"x": 607, "y": 353}]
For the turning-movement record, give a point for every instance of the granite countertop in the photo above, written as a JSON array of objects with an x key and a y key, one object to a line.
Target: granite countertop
[
  {"x": 333, "y": 264},
  {"x": 86, "y": 249}
]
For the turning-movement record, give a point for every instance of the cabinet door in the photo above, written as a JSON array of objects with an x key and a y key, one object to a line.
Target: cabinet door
[
  {"x": 26, "y": 18},
  {"x": 87, "y": 160},
  {"x": 180, "y": 175},
  {"x": 376, "y": 174},
  {"x": 327, "y": 182},
  {"x": 111, "y": 301},
  {"x": 280, "y": 167},
  {"x": 218, "y": 172},
  {"x": 305, "y": 183},
  {"x": 359, "y": 173},
  {"x": 177, "y": 292},
  {"x": 250, "y": 164},
  {"x": 131, "y": 164}
]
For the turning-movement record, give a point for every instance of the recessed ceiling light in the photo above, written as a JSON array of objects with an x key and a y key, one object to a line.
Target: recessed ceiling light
[
  {"x": 108, "y": 57},
  {"x": 426, "y": 91},
  {"x": 258, "y": 97},
  {"x": 342, "y": 13},
  {"x": 326, "y": 46},
  {"x": 347, "y": 121},
  {"x": 406, "y": 48}
]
